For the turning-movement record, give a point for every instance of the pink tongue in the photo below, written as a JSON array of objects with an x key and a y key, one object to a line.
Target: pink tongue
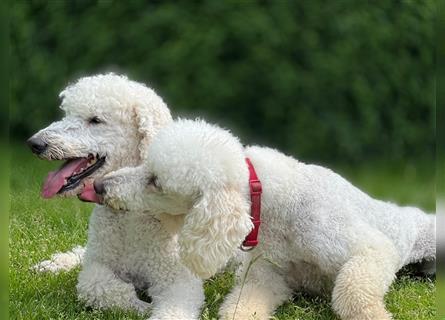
[
  {"x": 56, "y": 179},
  {"x": 89, "y": 194}
]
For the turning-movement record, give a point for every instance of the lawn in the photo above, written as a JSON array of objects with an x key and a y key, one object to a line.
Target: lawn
[{"x": 39, "y": 228}]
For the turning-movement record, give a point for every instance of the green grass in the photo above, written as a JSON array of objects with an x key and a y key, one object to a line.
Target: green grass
[{"x": 39, "y": 228}]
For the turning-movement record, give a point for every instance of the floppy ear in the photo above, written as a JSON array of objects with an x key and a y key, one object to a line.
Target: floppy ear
[
  {"x": 212, "y": 230},
  {"x": 150, "y": 118}
]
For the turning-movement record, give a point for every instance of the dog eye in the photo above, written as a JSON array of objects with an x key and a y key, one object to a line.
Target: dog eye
[{"x": 95, "y": 120}]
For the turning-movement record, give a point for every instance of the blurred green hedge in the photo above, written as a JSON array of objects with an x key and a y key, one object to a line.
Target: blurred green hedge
[{"x": 340, "y": 80}]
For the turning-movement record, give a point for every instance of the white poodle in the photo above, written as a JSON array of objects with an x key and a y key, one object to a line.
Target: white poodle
[
  {"x": 318, "y": 232},
  {"x": 109, "y": 122}
]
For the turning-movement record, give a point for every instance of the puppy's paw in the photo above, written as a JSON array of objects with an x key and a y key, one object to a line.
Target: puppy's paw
[
  {"x": 64, "y": 261},
  {"x": 47, "y": 266}
]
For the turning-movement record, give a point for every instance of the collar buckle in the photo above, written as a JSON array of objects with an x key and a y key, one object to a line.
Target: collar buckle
[{"x": 255, "y": 187}]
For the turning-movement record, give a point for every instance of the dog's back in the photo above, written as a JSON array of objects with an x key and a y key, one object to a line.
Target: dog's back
[{"x": 320, "y": 191}]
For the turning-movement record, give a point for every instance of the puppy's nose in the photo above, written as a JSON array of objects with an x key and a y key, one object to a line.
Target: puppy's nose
[
  {"x": 99, "y": 186},
  {"x": 37, "y": 145}
]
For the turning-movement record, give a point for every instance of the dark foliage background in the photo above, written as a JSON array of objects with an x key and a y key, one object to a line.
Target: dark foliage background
[{"x": 324, "y": 80}]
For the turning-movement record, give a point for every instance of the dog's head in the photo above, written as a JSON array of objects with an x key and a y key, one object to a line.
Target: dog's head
[
  {"x": 109, "y": 122},
  {"x": 197, "y": 170}
]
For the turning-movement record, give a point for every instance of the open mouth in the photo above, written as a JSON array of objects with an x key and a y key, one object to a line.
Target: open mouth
[{"x": 70, "y": 175}]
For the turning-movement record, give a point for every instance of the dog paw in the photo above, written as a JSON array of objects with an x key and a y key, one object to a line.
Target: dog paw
[
  {"x": 47, "y": 266},
  {"x": 63, "y": 261}
]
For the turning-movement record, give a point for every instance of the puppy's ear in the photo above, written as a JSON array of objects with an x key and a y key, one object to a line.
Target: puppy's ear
[
  {"x": 150, "y": 117},
  {"x": 212, "y": 230}
]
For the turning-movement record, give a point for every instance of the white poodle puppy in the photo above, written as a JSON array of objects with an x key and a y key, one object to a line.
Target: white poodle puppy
[
  {"x": 109, "y": 122},
  {"x": 318, "y": 232}
]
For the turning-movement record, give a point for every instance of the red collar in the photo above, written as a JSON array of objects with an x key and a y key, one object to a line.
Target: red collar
[{"x": 255, "y": 209}]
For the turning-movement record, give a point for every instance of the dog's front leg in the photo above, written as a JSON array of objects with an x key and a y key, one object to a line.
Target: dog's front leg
[
  {"x": 180, "y": 297},
  {"x": 258, "y": 292},
  {"x": 99, "y": 287},
  {"x": 61, "y": 261},
  {"x": 362, "y": 283}
]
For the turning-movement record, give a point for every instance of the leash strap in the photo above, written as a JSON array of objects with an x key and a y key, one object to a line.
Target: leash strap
[{"x": 255, "y": 210}]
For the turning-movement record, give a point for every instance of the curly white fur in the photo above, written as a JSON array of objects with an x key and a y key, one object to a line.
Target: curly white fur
[
  {"x": 124, "y": 251},
  {"x": 318, "y": 231}
]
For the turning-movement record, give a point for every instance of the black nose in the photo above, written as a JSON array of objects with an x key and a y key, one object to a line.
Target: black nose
[
  {"x": 99, "y": 186},
  {"x": 37, "y": 145}
]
